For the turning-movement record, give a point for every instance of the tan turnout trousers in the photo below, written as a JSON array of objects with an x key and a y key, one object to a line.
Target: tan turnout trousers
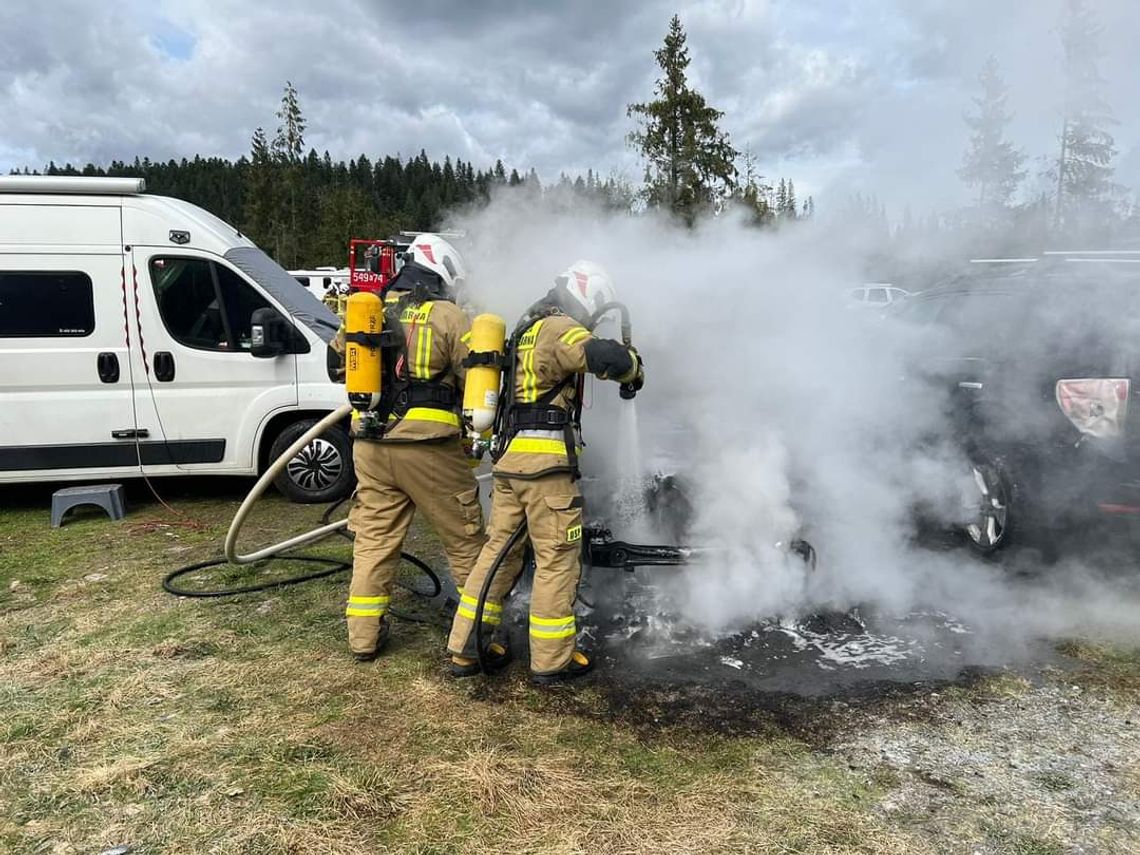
[
  {"x": 552, "y": 508},
  {"x": 396, "y": 479}
]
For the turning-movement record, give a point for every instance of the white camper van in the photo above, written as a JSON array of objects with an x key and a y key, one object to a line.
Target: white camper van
[{"x": 142, "y": 335}]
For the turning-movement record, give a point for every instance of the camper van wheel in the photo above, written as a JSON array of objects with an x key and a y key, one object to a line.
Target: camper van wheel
[{"x": 321, "y": 472}]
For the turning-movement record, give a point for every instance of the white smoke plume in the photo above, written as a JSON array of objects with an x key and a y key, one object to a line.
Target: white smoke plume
[{"x": 787, "y": 412}]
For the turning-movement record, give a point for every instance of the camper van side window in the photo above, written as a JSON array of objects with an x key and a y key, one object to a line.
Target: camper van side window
[
  {"x": 43, "y": 304},
  {"x": 204, "y": 305},
  {"x": 241, "y": 302}
]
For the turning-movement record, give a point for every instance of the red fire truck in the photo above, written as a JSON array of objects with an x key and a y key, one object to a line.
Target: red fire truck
[{"x": 373, "y": 263}]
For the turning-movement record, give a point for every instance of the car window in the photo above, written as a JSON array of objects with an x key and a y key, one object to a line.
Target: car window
[
  {"x": 203, "y": 304},
  {"x": 43, "y": 304},
  {"x": 877, "y": 295}
]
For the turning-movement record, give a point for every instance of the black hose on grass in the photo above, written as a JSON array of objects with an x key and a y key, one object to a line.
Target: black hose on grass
[
  {"x": 333, "y": 566},
  {"x": 337, "y": 566}
]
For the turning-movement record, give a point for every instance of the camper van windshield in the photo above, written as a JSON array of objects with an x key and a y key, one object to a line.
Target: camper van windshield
[{"x": 286, "y": 290}]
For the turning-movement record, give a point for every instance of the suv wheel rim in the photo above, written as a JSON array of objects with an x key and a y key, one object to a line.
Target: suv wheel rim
[
  {"x": 317, "y": 466},
  {"x": 987, "y": 528}
]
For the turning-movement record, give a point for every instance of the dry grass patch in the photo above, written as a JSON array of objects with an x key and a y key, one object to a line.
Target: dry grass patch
[
  {"x": 1112, "y": 670},
  {"x": 133, "y": 717}
]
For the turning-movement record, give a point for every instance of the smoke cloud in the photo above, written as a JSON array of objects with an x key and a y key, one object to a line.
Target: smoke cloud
[{"x": 788, "y": 414}]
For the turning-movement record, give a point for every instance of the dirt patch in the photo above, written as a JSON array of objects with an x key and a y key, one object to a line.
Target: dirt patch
[{"x": 1053, "y": 764}]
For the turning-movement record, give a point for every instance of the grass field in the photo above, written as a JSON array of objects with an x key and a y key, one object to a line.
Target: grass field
[{"x": 132, "y": 717}]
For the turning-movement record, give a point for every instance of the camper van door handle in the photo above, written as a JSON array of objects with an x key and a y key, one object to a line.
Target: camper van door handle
[
  {"x": 108, "y": 365},
  {"x": 164, "y": 366},
  {"x": 130, "y": 433}
]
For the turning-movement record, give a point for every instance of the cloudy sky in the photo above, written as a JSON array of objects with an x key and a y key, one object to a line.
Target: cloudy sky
[{"x": 841, "y": 95}]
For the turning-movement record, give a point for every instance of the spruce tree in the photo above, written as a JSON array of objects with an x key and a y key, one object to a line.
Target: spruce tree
[
  {"x": 753, "y": 194},
  {"x": 991, "y": 165},
  {"x": 1084, "y": 168},
  {"x": 261, "y": 202},
  {"x": 689, "y": 160},
  {"x": 287, "y": 147},
  {"x": 290, "y": 139}
]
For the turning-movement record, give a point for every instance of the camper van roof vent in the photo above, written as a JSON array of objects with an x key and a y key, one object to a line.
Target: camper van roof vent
[{"x": 75, "y": 184}]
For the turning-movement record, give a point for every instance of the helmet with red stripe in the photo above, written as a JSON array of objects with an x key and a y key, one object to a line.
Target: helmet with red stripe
[
  {"x": 437, "y": 255},
  {"x": 587, "y": 285}
]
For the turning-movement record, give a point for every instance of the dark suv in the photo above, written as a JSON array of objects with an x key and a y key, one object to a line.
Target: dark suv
[{"x": 1037, "y": 358}]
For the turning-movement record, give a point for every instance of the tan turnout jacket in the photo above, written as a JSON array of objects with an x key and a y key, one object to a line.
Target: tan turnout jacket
[
  {"x": 549, "y": 352},
  {"x": 436, "y": 334}
]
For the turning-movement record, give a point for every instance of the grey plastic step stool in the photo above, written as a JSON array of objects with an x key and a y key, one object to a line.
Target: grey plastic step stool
[{"x": 109, "y": 497}]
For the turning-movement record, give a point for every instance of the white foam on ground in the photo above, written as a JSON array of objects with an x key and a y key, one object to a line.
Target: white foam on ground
[{"x": 847, "y": 650}]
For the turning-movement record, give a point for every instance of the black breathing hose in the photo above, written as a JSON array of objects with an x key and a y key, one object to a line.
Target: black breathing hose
[
  {"x": 626, "y": 326},
  {"x": 512, "y": 541}
]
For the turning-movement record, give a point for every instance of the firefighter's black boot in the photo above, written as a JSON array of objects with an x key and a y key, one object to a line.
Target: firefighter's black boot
[
  {"x": 579, "y": 666},
  {"x": 496, "y": 658}
]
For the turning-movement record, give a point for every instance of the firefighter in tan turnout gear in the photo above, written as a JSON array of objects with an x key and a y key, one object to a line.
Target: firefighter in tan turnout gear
[
  {"x": 536, "y": 467},
  {"x": 407, "y": 451}
]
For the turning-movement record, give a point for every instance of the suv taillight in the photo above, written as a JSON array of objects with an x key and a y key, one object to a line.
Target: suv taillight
[{"x": 1097, "y": 407}]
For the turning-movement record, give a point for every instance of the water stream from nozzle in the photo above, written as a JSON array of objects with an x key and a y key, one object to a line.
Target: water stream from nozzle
[{"x": 629, "y": 494}]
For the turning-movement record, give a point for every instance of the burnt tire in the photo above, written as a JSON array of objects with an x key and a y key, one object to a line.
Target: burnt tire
[{"x": 321, "y": 472}]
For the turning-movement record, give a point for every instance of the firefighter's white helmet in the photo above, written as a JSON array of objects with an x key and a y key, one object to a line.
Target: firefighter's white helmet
[
  {"x": 588, "y": 285},
  {"x": 439, "y": 256}
]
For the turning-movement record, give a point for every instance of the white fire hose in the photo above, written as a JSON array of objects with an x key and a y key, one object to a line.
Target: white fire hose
[{"x": 263, "y": 483}]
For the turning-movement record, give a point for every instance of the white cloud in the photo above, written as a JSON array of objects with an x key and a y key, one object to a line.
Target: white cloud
[{"x": 842, "y": 95}]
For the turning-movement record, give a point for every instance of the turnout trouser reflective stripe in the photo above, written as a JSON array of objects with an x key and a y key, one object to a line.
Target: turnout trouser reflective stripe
[
  {"x": 492, "y": 612},
  {"x": 394, "y": 481},
  {"x": 553, "y": 627},
  {"x": 366, "y": 606},
  {"x": 552, "y": 508}
]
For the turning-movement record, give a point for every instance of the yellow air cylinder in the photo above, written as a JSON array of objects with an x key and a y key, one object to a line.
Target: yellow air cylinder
[
  {"x": 363, "y": 313},
  {"x": 481, "y": 389}
]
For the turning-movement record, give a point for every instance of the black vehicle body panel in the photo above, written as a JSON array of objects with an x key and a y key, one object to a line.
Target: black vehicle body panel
[{"x": 999, "y": 345}]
